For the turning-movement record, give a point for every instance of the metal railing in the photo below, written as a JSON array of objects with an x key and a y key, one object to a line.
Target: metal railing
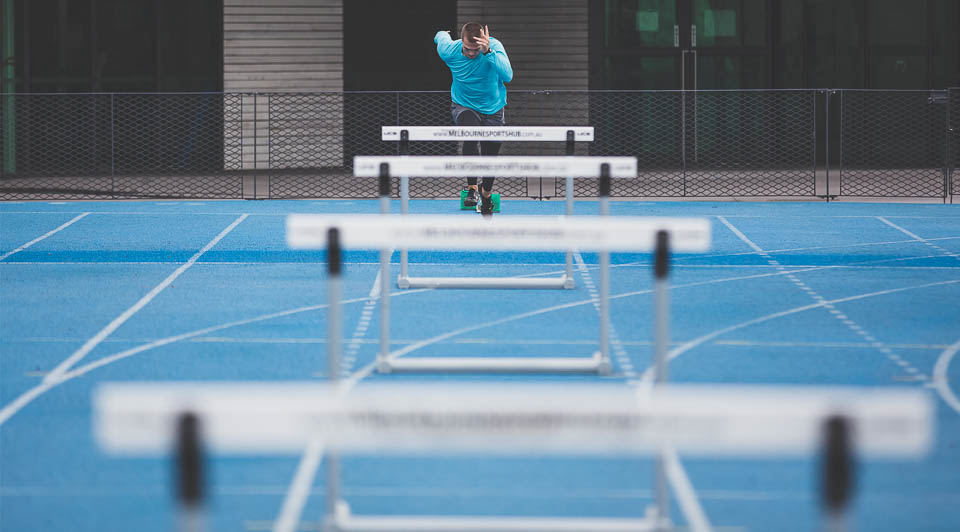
[{"x": 814, "y": 143}]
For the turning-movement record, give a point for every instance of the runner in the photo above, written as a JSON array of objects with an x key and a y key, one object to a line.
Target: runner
[{"x": 480, "y": 67}]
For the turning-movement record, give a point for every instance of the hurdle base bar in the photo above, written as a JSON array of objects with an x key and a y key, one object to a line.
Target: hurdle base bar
[
  {"x": 594, "y": 365},
  {"x": 345, "y": 522},
  {"x": 490, "y": 283}
]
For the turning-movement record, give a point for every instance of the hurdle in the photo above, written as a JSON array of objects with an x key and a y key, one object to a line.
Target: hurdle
[
  {"x": 537, "y": 233},
  {"x": 405, "y": 134},
  {"x": 518, "y": 419}
]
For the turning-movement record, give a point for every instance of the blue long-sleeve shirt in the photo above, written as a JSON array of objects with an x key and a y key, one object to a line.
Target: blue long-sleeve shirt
[{"x": 478, "y": 83}]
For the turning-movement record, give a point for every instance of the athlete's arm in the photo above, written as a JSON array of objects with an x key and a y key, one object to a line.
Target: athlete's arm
[
  {"x": 498, "y": 56},
  {"x": 446, "y": 46}
]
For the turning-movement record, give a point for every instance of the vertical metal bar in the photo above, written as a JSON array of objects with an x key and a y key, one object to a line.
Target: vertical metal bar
[
  {"x": 334, "y": 330},
  {"x": 334, "y": 327},
  {"x": 27, "y": 72},
  {"x": 661, "y": 312},
  {"x": 827, "y": 134},
  {"x": 256, "y": 126},
  {"x": 404, "y": 201},
  {"x": 404, "y": 210},
  {"x": 826, "y": 192},
  {"x": 113, "y": 146},
  {"x": 269, "y": 146},
  {"x": 837, "y": 473},
  {"x": 8, "y": 89},
  {"x": 384, "y": 273},
  {"x": 661, "y": 305},
  {"x": 946, "y": 150},
  {"x": 604, "y": 199},
  {"x": 951, "y": 133},
  {"x": 189, "y": 474},
  {"x": 568, "y": 281},
  {"x": 683, "y": 120},
  {"x": 696, "y": 117}
]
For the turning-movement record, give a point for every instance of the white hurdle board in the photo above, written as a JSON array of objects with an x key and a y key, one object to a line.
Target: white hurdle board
[
  {"x": 529, "y": 233},
  {"x": 500, "y": 166},
  {"x": 512, "y": 418},
  {"x": 569, "y": 134},
  {"x": 508, "y": 419},
  {"x": 517, "y": 166},
  {"x": 491, "y": 133},
  {"x": 586, "y": 233}
]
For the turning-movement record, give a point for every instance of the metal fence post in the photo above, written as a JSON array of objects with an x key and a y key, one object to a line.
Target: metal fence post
[
  {"x": 113, "y": 144},
  {"x": 953, "y": 149},
  {"x": 947, "y": 152},
  {"x": 827, "y": 144}
]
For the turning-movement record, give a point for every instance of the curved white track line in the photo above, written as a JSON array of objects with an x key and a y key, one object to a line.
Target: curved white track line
[
  {"x": 940, "y": 381},
  {"x": 674, "y": 353},
  {"x": 13, "y": 407}
]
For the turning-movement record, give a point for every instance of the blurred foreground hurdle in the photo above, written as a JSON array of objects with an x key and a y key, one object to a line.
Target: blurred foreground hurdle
[
  {"x": 586, "y": 233},
  {"x": 500, "y": 166},
  {"x": 510, "y": 419}
]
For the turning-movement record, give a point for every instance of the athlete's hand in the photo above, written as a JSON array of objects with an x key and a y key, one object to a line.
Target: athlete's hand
[{"x": 484, "y": 40}]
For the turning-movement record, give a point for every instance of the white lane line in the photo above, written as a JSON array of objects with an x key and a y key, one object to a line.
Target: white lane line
[
  {"x": 623, "y": 359},
  {"x": 23, "y": 400},
  {"x": 35, "y": 392},
  {"x": 676, "y": 352},
  {"x": 45, "y": 235},
  {"x": 686, "y": 496},
  {"x": 360, "y": 331},
  {"x": 813, "y": 248},
  {"x": 78, "y": 355},
  {"x": 296, "y": 497},
  {"x": 28, "y": 396},
  {"x": 940, "y": 377},
  {"x": 743, "y": 237},
  {"x": 857, "y": 329},
  {"x": 918, "y": 238}
]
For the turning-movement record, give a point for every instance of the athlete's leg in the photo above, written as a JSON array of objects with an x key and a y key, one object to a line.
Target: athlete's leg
[
  {"x": 468, "y": 117},
  {"x": 490, "y": 147}
]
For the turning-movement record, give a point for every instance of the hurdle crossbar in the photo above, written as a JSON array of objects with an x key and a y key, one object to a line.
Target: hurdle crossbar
[
  {"x": 587, "y": 233},
  {"x": 344, "y": 520},
  {"x": 517, "y": 419},
  {"x": 439, "y": 166},
  {"x": 404, "y": 134},
  {"x": 511, "y": 418}
]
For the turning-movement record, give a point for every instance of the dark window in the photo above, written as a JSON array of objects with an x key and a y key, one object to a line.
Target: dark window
[{"x": 118, "y": 45}]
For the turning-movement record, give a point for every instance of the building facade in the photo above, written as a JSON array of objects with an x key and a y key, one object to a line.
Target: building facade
[
  {"x": 302, "y": 86},
  {"x": 321, "y": 45}
]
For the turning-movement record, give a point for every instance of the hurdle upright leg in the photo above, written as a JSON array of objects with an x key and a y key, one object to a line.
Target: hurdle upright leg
[
  {"x": 404, "y": 147},
  {"x": 604, "y": 198},
  {"x": 384, "y": 273},
  {"x": 661, "y": 313},
  {"x": 569, "y": 283},
  {"x": 404, "y": 210},
  {"x": 333, "y": 363}
]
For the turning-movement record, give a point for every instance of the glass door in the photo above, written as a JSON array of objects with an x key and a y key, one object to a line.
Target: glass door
[
  {"x": 642, "y": 44},
  {"x": 730, "y": 41},
  {"x": 685, "y": 44}
]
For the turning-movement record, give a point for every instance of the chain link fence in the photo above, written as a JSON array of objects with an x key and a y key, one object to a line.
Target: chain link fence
[
  {"x": 88, "y": 146},
  {"x": 738, "y": 143},
  {"x": 893, "y": 143}
]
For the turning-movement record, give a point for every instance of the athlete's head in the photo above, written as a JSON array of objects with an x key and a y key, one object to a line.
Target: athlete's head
[{"x": 468, "y": 37}]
